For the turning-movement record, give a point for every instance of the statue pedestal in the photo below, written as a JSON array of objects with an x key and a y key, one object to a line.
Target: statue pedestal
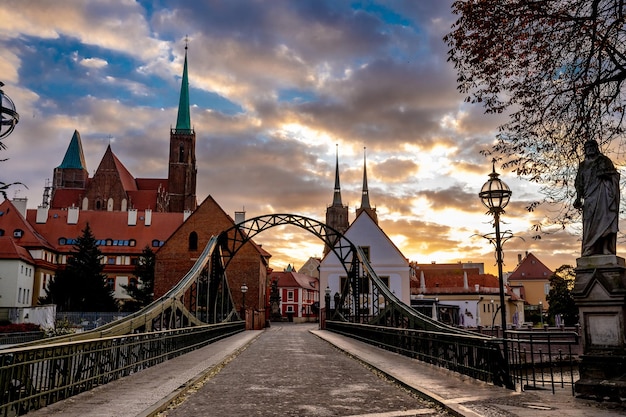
[{"x": 600, "y": 294}]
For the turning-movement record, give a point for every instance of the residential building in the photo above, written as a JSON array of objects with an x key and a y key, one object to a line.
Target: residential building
[
  {"x": 462, "y": 294},
  {"x": 533, "y": 277},
  {"x": 311, "y": 267},
  {"x": 299, "y": 295},
  {"x": 45, "y": 238}
]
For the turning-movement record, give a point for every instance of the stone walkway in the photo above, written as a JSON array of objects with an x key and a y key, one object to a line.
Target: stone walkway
[{"x": 288, "y": 371}]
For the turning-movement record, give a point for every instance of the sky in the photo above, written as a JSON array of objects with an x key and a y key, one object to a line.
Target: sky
[{"x": 277, "y": 89}]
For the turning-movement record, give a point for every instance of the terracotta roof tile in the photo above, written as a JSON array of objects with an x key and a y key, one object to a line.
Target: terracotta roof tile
[
  {"x": 107, "y": 225},
  {"x": 531, "y": 268}
]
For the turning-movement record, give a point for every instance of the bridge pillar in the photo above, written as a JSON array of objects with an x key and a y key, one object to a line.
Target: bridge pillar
[{"x": 600, "y": 294}]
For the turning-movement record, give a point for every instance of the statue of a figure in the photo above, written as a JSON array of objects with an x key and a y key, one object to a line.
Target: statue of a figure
[{"x": 597, "y": 193}]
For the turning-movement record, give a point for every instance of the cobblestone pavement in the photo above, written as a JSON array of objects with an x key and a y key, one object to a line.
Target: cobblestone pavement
[{"x": 287, "y": 371}]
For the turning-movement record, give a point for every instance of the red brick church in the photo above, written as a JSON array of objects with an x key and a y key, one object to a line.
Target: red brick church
[{"x": 113, "y": 187}]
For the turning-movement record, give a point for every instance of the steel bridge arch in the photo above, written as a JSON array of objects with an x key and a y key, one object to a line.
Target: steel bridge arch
[{"x": 384, "y": 308}]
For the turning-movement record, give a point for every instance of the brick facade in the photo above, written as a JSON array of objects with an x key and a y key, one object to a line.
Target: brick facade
[{"x": 176, "y": 257}]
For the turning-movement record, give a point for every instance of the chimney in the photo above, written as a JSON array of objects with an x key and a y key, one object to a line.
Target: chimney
[
  {"x": 132, "y": 217},
  {"x": 519, "y": 258},
  {"x": 240, "y": 217},
  {"x": 477, "y": 287},
  {"x": 20, "y": 205},
  {"x": 465, "y": 282},
  {"x": 72, "y": 215},
  {"x": 148, "y": 217},
  {"x": 42, "y": 215},
  {"x": 422, "y": 282}
]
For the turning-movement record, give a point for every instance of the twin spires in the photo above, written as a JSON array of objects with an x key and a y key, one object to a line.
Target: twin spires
[{"x": 365, "y": 199}]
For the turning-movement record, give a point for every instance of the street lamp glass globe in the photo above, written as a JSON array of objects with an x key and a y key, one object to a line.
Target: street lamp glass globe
[
  {"x": 244, "y": 288},
  {"x": 495, "y": 194}
]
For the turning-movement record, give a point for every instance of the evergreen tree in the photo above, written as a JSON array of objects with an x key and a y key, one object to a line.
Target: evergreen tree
[
  {"x": 142, "y": 292},
  {"x": 81, "y": 286},
  {"x": 560, "y": 296}
]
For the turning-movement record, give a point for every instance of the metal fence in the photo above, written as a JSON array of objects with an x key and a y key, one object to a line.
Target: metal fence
[
  {"x": 476, "y": 356},
  {"x": 537, "y": 359},
  {"x": 544, "y": 359},
  {"x": 89, "y": 320},
  {"x": 7, "y": 339},
  {"x": 34, "y": 377}
]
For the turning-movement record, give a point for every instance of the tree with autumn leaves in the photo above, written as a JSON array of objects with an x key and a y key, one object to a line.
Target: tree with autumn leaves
[{"x": 557, "y": 69}]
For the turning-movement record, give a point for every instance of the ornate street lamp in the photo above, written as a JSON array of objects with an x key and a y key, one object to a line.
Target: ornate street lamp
[
  {"x": 8, "y": 115},
  {"x": 244, "y": 290},
  {"x": 495, "y": 195},
  {"x": 327, "y": 292}
]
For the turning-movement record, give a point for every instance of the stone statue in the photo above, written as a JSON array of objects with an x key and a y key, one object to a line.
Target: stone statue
[{"x": 597, "y": 194}]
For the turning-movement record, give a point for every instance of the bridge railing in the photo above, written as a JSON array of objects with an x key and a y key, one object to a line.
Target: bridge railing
[
  {"x": 34, "y": 377},
  {"x": 475, "y": 356}
]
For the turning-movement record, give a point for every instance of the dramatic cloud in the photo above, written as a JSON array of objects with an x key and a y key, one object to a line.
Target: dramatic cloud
[{"x": 277, "y": 87}]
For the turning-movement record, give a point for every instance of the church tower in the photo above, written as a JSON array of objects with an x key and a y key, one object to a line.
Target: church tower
[
  {"x": 72, "y": 173},
  {"x": 365, "y": 197},
  {"x": 336, "y": 213},
  {"x": 181, "y": 178}
]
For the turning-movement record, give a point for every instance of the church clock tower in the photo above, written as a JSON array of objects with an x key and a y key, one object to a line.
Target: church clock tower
[{"x": 181, "y": 178}]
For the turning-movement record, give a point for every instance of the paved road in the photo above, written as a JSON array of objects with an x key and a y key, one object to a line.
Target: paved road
[{"x": 287, "y": 371}]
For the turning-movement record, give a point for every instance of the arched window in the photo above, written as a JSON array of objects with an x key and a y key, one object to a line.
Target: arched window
[
  {"x": 193, "y": 241},
  {"x": 181, "y": 152},
  {"x": 98, "y": 205}
]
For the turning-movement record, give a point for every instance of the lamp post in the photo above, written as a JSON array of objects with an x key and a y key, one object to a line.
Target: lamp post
[
  {"x": 495, "y": 195},
  {"x": 244, "y": 290},
  {"x": 327, "y": 301},
  {"x": 541, "y": 312}
]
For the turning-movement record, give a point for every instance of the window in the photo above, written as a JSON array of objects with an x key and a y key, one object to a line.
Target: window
[
  {"x": 132, "y": 242},
  {"x": 290, "y": 295},
  {"x": 193, "y": 241},
  {"x": 181, "y": 152},
  {"x": 546, "y": 289},
  {"x": 111, "y": 260},
  {"x": 364, "y": 284},
  {"x": 155, "y": 243},
  {"x": 1, "y": 232},
  {"x": 18, "y": 233},
  {"x": 366, "y": 250},
  {"x": 110, "y": 284},
  {"x": 289, "y": 309}
]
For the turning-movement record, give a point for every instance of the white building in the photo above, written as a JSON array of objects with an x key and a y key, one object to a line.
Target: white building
[
  {"x": 17, "y": 272},
  {"x": 386, "y": 259}
]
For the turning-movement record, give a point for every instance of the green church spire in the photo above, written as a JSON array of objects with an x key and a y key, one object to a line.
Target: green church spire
[
  {"x": 183, "y": 122},
  {"x": 74, "y": 157}
]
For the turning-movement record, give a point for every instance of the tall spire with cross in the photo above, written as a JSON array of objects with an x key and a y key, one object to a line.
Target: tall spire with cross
[
  {"x": 337, "y": 194},
  {"x": 183, "y": 121},
  {"x": 181, "y": 178},
  {"x": 336, "y": 213},
  {"x": 365, "y": 196}
]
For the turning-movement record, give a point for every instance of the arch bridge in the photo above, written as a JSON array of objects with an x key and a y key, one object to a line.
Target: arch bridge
[{"x": 199, "y": 310}]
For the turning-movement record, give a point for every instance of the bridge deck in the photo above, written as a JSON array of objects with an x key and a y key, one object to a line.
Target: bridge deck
[{"x": 287, "y": 370}]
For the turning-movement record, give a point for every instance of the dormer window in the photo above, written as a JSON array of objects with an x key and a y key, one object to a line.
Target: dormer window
[{"x": 18, "y": 233}]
